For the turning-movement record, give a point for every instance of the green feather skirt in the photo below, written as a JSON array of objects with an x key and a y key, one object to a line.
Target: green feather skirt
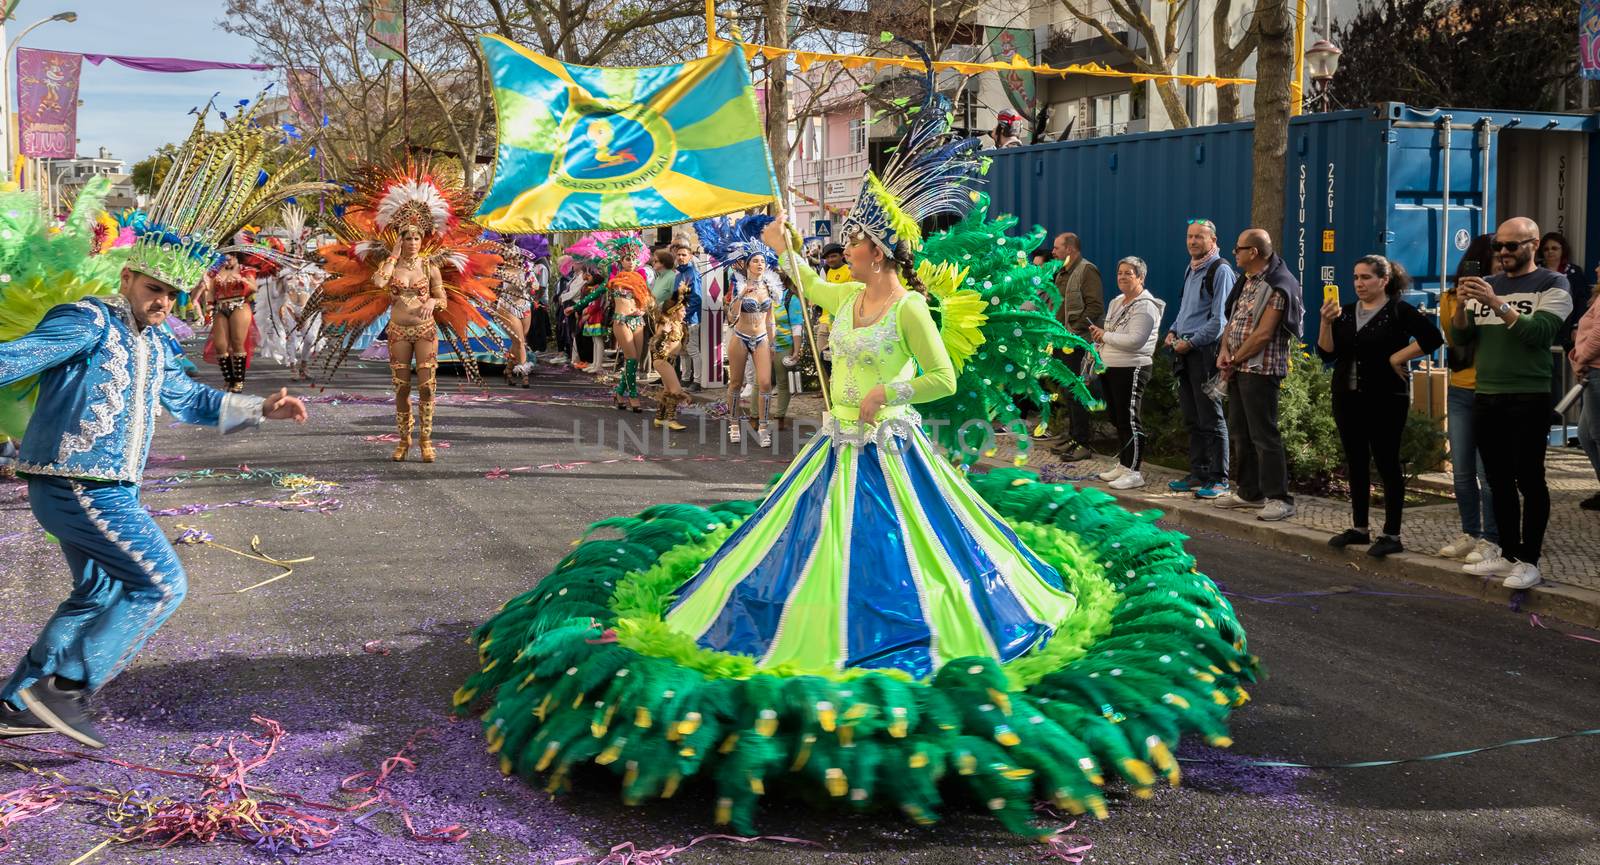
[{"x": 583, "y": 668}]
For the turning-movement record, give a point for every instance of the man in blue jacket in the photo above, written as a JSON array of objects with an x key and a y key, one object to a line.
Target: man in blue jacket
[
  {"x": 1195, "y": 339},
  {"x": 689, "y": 275},
  {"x": 105, "y": 374}
]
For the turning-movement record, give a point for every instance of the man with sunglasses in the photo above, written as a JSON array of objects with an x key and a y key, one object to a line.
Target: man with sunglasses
[
  {"x": 1264, "y": 312},
  {"x": 1513, "y": 318}
]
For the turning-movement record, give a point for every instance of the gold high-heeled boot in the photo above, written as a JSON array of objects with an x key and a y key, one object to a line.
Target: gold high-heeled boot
[
  {"x": 426, "y": 376},
  {"x": 674, "y": 400},
  {"x": 402, "y": 409}
]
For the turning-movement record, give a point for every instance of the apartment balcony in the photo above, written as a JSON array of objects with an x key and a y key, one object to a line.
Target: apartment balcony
[{"x": 850, "y": 167}]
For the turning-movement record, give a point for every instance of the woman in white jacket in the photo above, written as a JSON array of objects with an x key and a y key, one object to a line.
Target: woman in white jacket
[{"x": 1127, "y": 345}]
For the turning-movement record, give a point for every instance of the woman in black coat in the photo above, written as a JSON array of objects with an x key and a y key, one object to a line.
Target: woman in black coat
[
  {"x": 1555, "y": 253},
  {"x": 1370, "y": 342}
]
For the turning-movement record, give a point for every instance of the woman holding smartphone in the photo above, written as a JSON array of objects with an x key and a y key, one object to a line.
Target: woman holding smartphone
[
  {"x": 1370, "y": 343},
  {"x": 1480, "y": 536}
]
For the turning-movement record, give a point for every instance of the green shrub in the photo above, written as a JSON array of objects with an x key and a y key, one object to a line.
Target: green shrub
[
  {"x": 1422, "y": 445},
  {"x": 1305, "y": 419}
]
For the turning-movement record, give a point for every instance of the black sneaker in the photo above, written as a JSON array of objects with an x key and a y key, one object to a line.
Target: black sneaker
[
  {"x": 20, "y": 722},
  {"x": 64, "y": 709},
  {"x": 1348, "y": 537},
  {"x": 1591, "y": 503},
  {"x": 1073, "y": 452},
  {"x": 1384, "y": 546}
]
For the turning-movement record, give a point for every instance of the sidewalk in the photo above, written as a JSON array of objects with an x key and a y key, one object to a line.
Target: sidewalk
[{"x": 1570, "y": 566}]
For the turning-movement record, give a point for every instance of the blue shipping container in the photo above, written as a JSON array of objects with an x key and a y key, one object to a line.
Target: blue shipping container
[{"x": 1357, "y": 182}]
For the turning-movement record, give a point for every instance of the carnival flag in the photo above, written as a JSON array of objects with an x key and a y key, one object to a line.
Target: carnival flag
[
  {"x": 583, "y": 148},
  {"x": 47, "y": 102},
  {"x": 386, "y": 29}
]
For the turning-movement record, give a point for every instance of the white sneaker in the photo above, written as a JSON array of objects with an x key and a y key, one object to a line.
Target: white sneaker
[
  {"x": 1493, "y": 567},
  {"x": 1234, "y": 500},
  {"x": 1523, "y": 576},
  {"x": 1483, "y": 549},
  {"x": 1113, "y": 473},
  {"x": 1461, "y": 546},
  {"x": 1128, "y": 481},
  {"x": 1275, "y": 510}
]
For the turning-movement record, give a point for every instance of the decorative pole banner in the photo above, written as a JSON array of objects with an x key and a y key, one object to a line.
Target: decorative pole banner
[
  {"x": 386, "y": 29},
  {"x": 1006, "y": 44},
  {"x": 47, "y": 102},
  {"x": 305, "y": 95},
  {"x": 1589, "y": 38},
  {"x": 583, "y": 148}
]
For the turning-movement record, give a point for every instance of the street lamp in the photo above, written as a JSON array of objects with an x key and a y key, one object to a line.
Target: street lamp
[
  {"x": 5, "y": 84},
  {"x": 1322, "y": 61}
]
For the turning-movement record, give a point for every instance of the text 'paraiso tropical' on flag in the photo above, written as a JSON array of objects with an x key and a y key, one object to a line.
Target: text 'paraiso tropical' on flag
[{"x": 585, "y": 148}]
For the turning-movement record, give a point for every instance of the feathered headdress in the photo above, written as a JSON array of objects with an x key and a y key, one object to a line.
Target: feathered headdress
[
  {"x": 610, "y": 251},
  {"x": 732, "y": 242},
  {"x": 930, "y": 174},
  {"x": 218, "y": 184},
  {"x": 382, "y": 202}
]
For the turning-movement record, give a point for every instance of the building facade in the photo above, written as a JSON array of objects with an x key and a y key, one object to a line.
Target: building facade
[{"x": 65, "y": 178}]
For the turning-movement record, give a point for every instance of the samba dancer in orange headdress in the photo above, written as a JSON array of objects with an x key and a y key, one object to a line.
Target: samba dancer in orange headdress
[{"x": 405, "y": 248}]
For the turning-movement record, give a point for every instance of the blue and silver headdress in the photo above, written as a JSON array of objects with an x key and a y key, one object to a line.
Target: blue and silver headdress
[
  {"x": 730, "y": 242},
  {"x": 930, "y": 174},
  {"x": 217, "y": 185}
]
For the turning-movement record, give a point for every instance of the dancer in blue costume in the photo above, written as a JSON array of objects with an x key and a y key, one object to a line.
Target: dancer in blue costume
[{"x": 103, "y": 369}]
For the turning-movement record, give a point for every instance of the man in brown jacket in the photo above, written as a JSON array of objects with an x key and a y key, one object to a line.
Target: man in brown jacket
[{"x": 1082, "y": 304}]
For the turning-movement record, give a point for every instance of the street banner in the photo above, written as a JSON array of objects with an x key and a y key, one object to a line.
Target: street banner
[
  {"x": 1006, "y": 45},
  {"x": 584, "y": 148},
  {"x": 305, "y": 96},
  {"x": 47, "y": 103},
  {"x": 386, "y": 29},
  {"x": 1589, "y": 38}
]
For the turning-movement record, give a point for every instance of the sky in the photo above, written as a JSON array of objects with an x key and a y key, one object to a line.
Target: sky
[{"x": 126, "y": 111}]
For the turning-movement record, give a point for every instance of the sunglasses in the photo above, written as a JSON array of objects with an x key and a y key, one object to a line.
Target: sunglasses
[
  {"x": 1511, "y": 245},
  {"x": 1243, "y": 248},
  {"x": 1206, "y": 222}
]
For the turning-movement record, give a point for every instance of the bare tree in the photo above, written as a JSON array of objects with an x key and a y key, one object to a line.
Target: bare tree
[
  {"x": 596, "y": 32},
  {"x": 369, "y": 115},
  {"x": 1230, "y": 58},
  {"x": 1274, "y": 67},
  {"x": 1162, "y": 47}
]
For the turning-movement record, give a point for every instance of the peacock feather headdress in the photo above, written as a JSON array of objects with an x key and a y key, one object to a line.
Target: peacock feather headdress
[
  {"x": 730, "y": 241},
  {"x": 219, "y": 183},
  {"x": 929, "y": 174}
]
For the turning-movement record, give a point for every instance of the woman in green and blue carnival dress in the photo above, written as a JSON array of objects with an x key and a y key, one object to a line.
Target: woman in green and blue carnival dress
[{"x": 879, "y": 620}]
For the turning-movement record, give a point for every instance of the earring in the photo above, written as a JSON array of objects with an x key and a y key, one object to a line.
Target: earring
[{"x": 877, "y": 267}]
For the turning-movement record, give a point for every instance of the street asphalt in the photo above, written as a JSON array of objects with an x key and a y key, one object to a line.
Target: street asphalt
[{"x": 361, "y": 647}]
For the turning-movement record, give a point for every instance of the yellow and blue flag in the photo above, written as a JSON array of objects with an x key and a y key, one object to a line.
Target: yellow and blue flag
[{"x": 584, "y": 148}]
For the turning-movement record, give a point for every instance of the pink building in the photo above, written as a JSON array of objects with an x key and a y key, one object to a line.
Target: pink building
[{"x": 829, "y": 155}]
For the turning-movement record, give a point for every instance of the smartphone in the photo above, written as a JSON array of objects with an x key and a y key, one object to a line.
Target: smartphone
[
  {"x": 1330, "y": 292},
  {"x": 1471, "y": 267}
]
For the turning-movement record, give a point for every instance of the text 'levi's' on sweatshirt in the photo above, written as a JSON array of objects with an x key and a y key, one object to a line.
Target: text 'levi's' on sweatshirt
[{"x": 1517, "y": 358}]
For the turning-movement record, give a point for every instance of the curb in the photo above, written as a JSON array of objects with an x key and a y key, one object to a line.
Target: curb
[{"x": 1573, "y": 604}]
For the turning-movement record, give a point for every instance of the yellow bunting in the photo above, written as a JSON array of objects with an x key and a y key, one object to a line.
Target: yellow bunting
[{"x": 807, "y": 59}]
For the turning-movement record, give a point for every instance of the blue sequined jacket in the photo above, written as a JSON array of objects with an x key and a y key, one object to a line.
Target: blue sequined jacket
[{"x": 102, "y": 386}]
